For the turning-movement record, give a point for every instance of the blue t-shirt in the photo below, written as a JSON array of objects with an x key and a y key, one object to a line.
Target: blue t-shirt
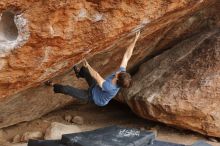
[{"x": 102, "y": 96}]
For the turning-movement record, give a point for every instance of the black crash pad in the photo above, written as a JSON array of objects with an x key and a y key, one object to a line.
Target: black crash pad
[
  {"x": 45, "y": 143},
  {"x": 110, "y": 136}
]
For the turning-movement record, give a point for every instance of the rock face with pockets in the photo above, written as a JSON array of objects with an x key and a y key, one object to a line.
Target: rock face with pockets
[
  {"x": 181, "y": 87},
  {"x": 41, "y": 40}
]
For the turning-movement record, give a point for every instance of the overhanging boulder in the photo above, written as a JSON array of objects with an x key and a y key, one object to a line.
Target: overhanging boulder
[{"x": 181, "y": 87}]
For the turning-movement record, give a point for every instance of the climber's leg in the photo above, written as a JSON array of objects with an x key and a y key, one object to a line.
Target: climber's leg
[
  {"x": 84, "y": 73},
  {"x": 74, "y": 92}
]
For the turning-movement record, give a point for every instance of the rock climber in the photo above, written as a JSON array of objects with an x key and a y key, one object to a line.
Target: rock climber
[{"x": 100, "y": 90}]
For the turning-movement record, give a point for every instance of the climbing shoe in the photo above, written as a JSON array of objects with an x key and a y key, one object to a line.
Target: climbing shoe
[
  {"x": 58, "y": 88},
  {"x": 76, "y": 70},
  {"x": 48, "y": 83}
]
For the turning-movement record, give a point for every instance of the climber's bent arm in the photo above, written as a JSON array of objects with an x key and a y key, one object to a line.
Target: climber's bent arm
[
  {"x": 94, "y": 74},
  {"x": 129, "y": 51}
]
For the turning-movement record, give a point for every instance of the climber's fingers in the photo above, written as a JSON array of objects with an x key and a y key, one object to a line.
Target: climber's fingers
[
  {"x": 85, "y": 63},
  {"x": 137, "y": 35}
]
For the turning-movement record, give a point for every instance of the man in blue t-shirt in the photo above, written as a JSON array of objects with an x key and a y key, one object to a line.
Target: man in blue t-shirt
[{"x": 100, "y": 91}]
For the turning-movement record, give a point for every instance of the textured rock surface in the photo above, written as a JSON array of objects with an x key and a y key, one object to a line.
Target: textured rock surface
[
  {"x": 62, "y": 32},
  {"x": 17, "y": 138},
  {"x": 56, "y": 130},
  {"x": 181, "y": 86},
  {"x": 31, "y": 135},
  {"x": 54, "y": 35}
]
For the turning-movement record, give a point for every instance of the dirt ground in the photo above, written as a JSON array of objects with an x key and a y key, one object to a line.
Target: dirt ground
[{"x": 113, "y": 114}]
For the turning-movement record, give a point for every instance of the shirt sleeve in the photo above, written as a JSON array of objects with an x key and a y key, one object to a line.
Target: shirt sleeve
[
  {"x": 106, "y": 86},
  {"x": 122, "y": 69}
]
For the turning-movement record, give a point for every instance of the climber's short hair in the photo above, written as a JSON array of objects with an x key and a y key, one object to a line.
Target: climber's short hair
[{"x": 124, "y": 80}]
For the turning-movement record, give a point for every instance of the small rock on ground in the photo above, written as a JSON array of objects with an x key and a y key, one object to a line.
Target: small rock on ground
[
  {"x": 56, "y": 130},
  {"x": 78, "y": 120},
  {"x": 17, "y": 138},
  {"x": 31, "y": 135},
  {"x": 68, "y": 118}
]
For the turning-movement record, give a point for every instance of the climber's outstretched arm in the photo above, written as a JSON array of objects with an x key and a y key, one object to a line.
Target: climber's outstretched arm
[
  {"x": 94, "y": 74},
  {"x": 129, "y": 51}
]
